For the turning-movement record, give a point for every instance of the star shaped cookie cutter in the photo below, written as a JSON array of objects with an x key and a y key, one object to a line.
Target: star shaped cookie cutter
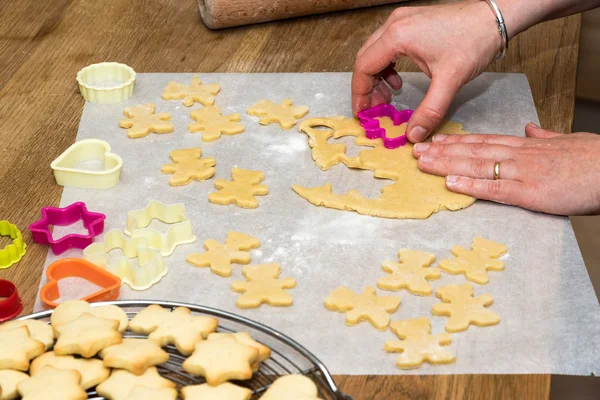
[
  {"x": 374, "y": 130},
  {"x": 92, "y": 221},
  {"x": 180, "y": 232}
]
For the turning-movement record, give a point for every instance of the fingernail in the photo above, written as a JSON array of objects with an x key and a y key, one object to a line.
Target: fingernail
[
  {"x": 534, "y": 124},
  {"x": 440, "y": 137},
  {"x": 451, "y": 180},
  {"x": 417, "y": 134},
  {"x": 421, "y": 147},
  {"x": 426, "y": 158}
]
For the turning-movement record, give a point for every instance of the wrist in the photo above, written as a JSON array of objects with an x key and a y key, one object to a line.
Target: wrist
[{"x": 520, "y": 15}]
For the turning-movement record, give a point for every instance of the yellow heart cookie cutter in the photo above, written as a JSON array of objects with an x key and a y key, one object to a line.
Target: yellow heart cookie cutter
[
  {"x": 67, "y": 174},
  {"x": 151, "y": 267},
  {"x": 180, "y": 231},
  {"x": 12, "y": 253}
]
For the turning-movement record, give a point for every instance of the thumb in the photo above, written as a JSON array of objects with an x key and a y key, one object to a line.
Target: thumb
[
  {"x": 534, "y": 131},
  {"x": 432, "y": 109}
]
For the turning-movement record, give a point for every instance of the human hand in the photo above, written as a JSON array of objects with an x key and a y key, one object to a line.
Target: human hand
[
  {"x": 452, "y": 44},
  {"x": 546, "y": 171}
]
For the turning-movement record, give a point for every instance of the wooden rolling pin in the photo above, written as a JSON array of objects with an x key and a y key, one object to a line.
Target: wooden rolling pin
[{"x": 218, "y": 14}]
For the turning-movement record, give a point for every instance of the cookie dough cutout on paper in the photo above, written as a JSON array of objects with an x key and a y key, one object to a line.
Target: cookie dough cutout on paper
[
  {"x": 263, "y": 286},
  {"x": 134, "y": 355},
  {"x": 213, "y": 124},
  {"x": 366, "y": 306},
  {"x": 188, "y": 165},
  {"x": 292, "y": 387},
  {"x": 86, "y": 336},
  {"x": 63, "y": 385},
  {"x": 219, "y": 257},
  {"x": 219, "y": 361},
  {"x": 142, "y": 121},
  {"x": 285, "y": 114},
  {"x": 224, "y": 391},
  {"x": 9, "y": 380},
  {"x": 92, "y": 371},
  {"x": 121, "y": 383},
  {"x": 418, "y": 345},
  {"x": 475, "y": 263},
  {"x": 411, "y": 273},
  {"x": 244, "y": 185},
  {"x": 463, "y": 309},
  {"x": 178, "y": 327},
  {"x": 195, "y": 93},
  {"x": 17, "y": 348}
]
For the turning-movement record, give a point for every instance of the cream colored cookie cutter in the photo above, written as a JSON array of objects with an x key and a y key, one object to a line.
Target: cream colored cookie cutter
[
  {"x": 66, "y": 172},
  {"x": 106, "y": 83},
  {"x": 151, "y": 267},
  {"x": 180, "y": 231}
]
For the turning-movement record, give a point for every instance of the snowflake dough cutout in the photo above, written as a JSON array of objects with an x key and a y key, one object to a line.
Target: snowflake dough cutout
[
  {"x": 411, "y": 273},
  {"x": 475, "y": 263},
  {"x": 244, "y": 185},
  {"x": 263, "y": 286},
  {"x": 213, "y": 124},
  {"x": 189, "y": 165},
  {"x": 285, "y": 114},
  {"x": 418, "y": 345},
  {"x": 195, "y": 93},
  {"x": 366, "y": 306},
  {"x": 463, "y": 309},
  {"x": 143, "y": 121},
  {"x": 220, "y": 256}
]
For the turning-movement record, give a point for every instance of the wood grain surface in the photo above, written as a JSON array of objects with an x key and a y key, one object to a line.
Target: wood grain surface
[{"x": 44, "y": 43}]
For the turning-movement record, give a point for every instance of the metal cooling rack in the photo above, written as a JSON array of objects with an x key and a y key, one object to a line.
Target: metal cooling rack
[{"x": 288, "y": 356}]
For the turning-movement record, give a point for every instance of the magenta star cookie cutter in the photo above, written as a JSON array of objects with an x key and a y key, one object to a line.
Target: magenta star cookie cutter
[
  {"x": 54, "y": 216},
  {"x": 375, "y": 131}
]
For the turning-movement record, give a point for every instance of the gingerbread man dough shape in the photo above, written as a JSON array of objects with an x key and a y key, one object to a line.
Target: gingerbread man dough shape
[
  {"x": 411, "y": 273},
  {"x": 142, "y": 121},
  {"x": 263, "y": 286},
  {"x": 241, "y": 190},
  {"x": 475, "y": 263},
  {"x": 189, "y": 165}
]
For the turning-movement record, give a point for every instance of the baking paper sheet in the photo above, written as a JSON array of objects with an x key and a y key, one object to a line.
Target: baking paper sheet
[{"x": 550, "y": 317}]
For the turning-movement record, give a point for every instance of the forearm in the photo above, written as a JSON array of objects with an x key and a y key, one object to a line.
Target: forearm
[{"x": 521, "y": 15}]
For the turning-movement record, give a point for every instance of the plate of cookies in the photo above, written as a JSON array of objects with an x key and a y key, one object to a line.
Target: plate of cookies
[{"x": 130, "y": 350}]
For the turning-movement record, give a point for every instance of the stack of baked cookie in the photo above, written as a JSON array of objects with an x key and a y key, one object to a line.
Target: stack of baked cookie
[{"x": 83, "y": 348}]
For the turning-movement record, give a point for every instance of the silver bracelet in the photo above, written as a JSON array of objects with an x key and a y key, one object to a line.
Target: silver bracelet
[{"x": 501, "y": 28}]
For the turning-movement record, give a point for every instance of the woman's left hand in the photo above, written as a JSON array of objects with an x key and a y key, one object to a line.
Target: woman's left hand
[{"x": 546, "y": 171}]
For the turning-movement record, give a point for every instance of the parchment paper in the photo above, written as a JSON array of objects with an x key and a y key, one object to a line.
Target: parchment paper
[{"x": 550, "y": 317}]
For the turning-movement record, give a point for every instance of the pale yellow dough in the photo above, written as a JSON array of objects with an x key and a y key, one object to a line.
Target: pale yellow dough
[
  {"x": 475, "y": 263},
  {"x": 411, "y": 273},
  {"x": 195, "y": 93},
  {"x": 213, "y": 124},
  {"x": 189, "y": 165},
  {"x": 285, "y": 114},
  {"x": 413, "y": 194},
  {"x": 244, "y": 185},
  {"x": 142, "y": 120},
  {"x": 263, "y": 286}
]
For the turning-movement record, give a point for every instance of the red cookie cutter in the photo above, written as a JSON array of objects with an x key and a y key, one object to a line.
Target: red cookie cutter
[
  {"x": 79, "y": 268},
  {"x": 12, "y": 305},
  {"x": 374, "y": 130},
  {"x": 92, "y": 221}
]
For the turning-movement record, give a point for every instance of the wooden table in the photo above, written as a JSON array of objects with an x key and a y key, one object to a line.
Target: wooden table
[{"x": 44, "y": 43}]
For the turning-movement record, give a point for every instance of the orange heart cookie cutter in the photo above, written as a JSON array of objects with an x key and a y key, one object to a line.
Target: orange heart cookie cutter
[{"x": 79, "y": 268}]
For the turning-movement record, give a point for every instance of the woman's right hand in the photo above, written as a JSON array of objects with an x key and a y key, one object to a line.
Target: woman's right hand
[{"x": 452, "y": 44}]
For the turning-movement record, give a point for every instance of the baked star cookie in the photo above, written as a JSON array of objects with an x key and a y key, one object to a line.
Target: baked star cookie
[
  {"x": 17, "y": 348},
  {"x": 71, "y": 309},
  {"x": 179, "y": 327},
  {"x": 292, "y": 387},
  {"x": 219, "y": 361},
  {"x": 38, "y": 330},
  {"x": 244, "y": 337},
  {"x": 224, "y": 391},
  {"x": 121, "y": 383},
  {"x": 52, "y": 384},
  {"x": 134, "y": 355},
  {"x": 9, "y": 379},
  {"x": 86, "y": 335},
  {"x": 144, "y": 393},
  {"x": 92, "y": 371}
]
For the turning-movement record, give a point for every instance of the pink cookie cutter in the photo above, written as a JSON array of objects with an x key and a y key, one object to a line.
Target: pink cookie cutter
[
  {"x": 375, "y": 131},
  {"x": 92, "y": 221}
]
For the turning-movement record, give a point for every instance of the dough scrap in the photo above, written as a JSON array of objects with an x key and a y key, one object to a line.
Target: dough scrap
[
  {"x": 285, "y": 114},
  {"x": 411, "y": 273},
  {"x": 196, "y": 92},
  {"x": 292, "y": 387},
  {"x": 220, "y": 256},
  {"x": 413, "y": 194},
  {"x": 121, "y": 383},
  {"x": 475, "y": 263},
  {"x": 92, "y": 371},
  {"x": 263, "y": 286},
  {"x": 213, "y": 124},
  {"x": 86, "y": 335},
  {"x": 366, "y": 306},
  {"x": 244, "y": 185},
  {"x": 178, "y": 327},
  {"x": 134, "y": 355},
  {"x": 189, "y": 165},
  {"x": 142, "y": 121},
  {"x": 52, "y": 384},
  {"x": 9, "y": 379},
  {"x": 219, "y": 361},
  {"x": 418, "y": 344},
  {"x": 463, "y": 309},
  {"x": 224, "y": 391},
  {"x": 17, "y": 348}
]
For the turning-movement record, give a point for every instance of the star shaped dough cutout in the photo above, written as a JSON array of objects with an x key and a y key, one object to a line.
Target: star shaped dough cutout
[
  {"x": 213, "y": 124},
  {"x": 178, "y": 327},
  {"x": 121, "y": 383},
  {"x": 195, "y": 93},
  {"x": 134, "y": 355},
  {"x": 219, "y": 361},
  {"x": 64, "y": 385},
  {"x": 17, "y": 348},
  {"x": 411, "y": 273},
  {"x": 285, "y": 114},
  {"x": 224, "y": 391},
  {"x": 86, "y": 336}
]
